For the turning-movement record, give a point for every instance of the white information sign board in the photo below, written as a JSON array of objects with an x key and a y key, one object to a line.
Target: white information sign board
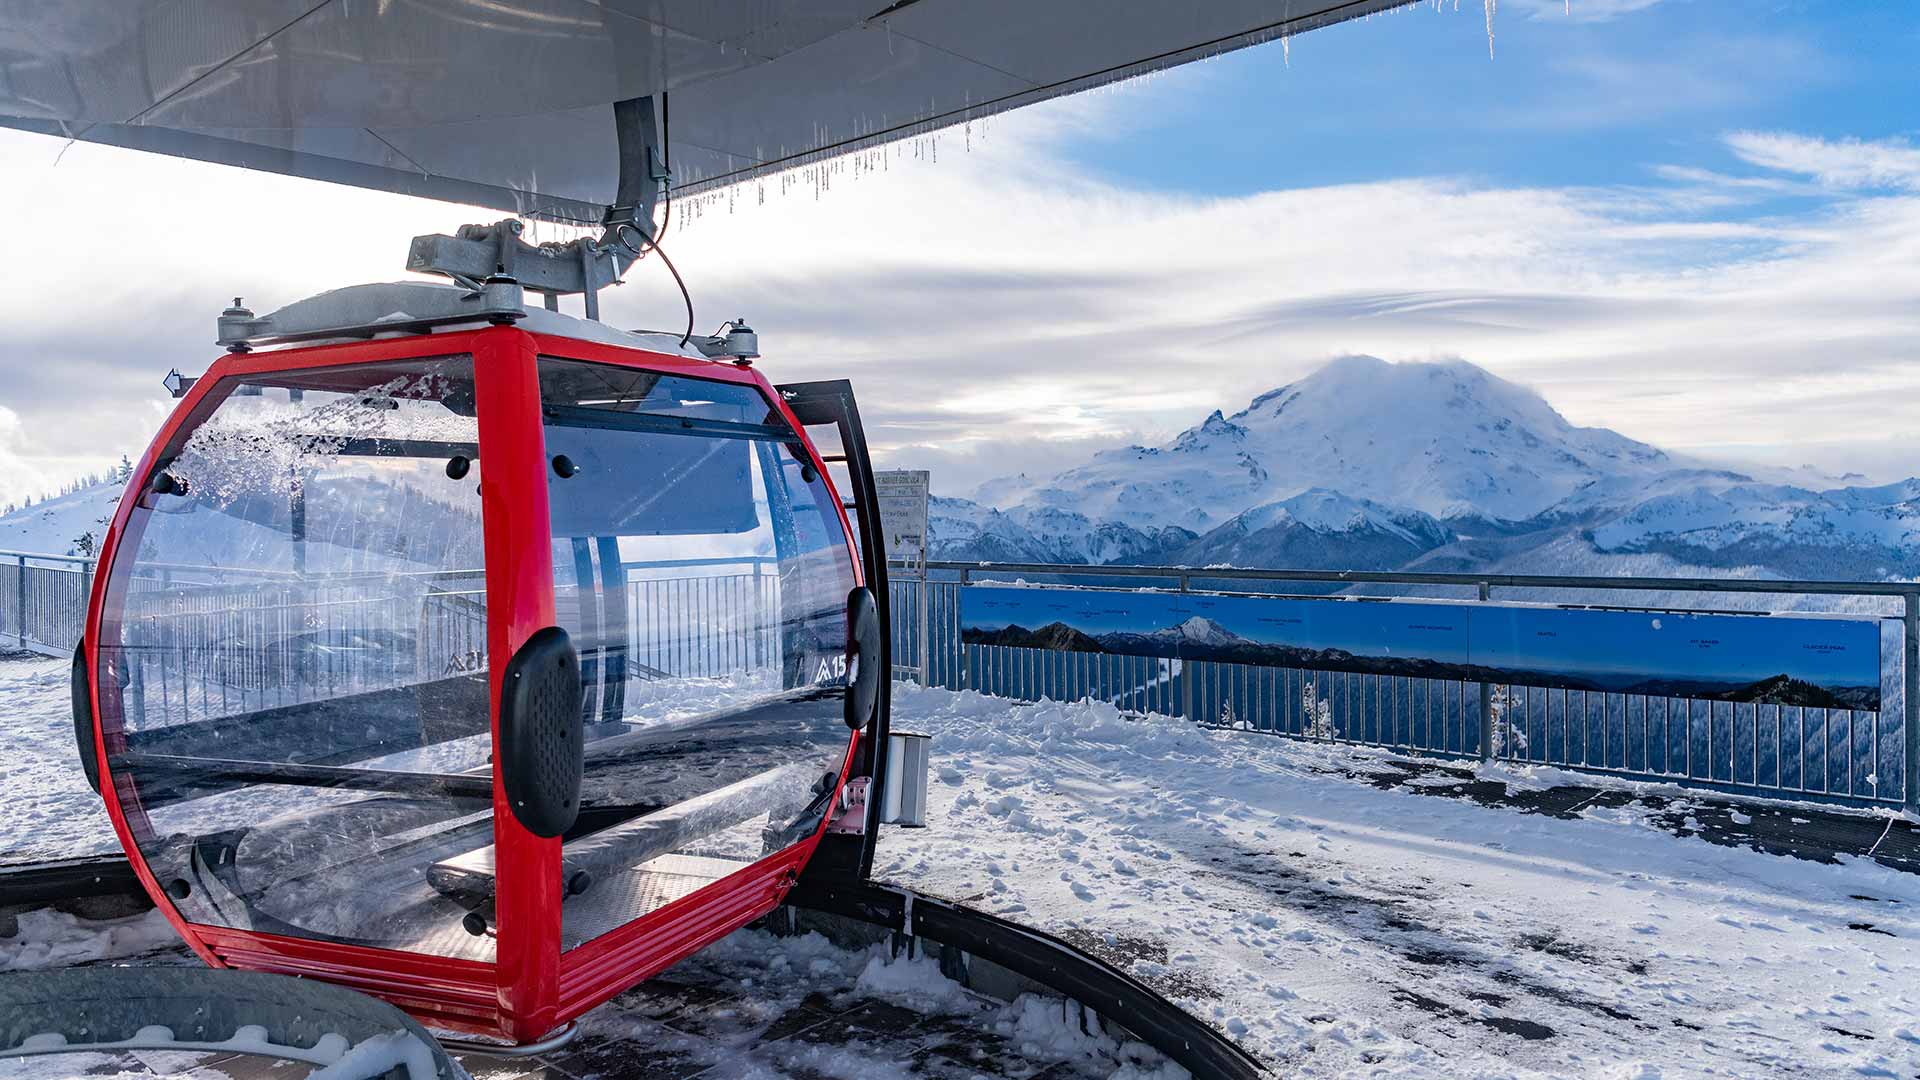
[{"x": 903, "y": 513}]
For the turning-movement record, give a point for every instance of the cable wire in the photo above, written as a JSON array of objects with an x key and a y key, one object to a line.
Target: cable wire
[
  {"x": 684, "y": 295},
  {"x": 666, "y": 213}
]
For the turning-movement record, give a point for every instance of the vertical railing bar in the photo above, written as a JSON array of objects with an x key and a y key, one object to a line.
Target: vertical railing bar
[
  {"x": 1779, "y": 719},
  {"x": 1800, "y": 745},
  {"x": 1689, "y": 737},
  {"x": 924, "y": 644},
  {"x": 1826, "y": 749},
  {"x": 1485, "y": 591},
  {"x": 1910, "y": 701},
  {"x": 1646, "y": 734},
  {"x": 1873, "y": 758},
  {"x": 1606, "y": 730},
  {"x": 1849, "y": 756}
]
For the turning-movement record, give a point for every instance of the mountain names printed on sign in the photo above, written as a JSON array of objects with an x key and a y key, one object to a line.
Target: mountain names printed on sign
[{"x": 1808, "y": 661}]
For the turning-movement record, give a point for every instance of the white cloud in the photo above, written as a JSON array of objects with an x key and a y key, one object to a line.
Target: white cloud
[
  {"x": 1845, "y": 163},
  {"x": 26, "y": 471},
  {"x": 999, "y": 311}
]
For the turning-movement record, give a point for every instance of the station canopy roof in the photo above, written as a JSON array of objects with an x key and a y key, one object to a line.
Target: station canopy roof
[{"x": 506, "y": 103}]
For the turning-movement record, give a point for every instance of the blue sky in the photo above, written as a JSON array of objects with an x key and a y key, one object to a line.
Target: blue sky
[
  {"x": 1586, "y": 99},
  {"x": 1695, "y": 223}
]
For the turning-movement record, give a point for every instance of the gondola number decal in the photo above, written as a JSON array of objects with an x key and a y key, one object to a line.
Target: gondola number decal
[{"x": 832, "y": 669}]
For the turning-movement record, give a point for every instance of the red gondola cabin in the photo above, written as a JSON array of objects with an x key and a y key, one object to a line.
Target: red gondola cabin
[{"x": 485, "y": 668}]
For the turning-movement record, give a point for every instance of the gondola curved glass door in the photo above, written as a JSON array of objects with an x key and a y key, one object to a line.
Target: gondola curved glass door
[
  {"x": 702, "y": 568},
  {"x": 292, "y": 656}
]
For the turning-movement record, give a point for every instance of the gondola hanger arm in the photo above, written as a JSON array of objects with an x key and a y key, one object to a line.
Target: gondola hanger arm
[{"x": 480, "y": 255}]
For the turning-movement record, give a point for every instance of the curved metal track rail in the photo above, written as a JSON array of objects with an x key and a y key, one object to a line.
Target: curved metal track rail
[{"x": 1041, "y": 958}]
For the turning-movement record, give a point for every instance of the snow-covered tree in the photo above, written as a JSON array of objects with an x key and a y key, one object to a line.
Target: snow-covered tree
[
  {"x": 1509, "y": 721},
  {"x": 1318, "y": 712},
  {"x": 1227, "y": 716}
]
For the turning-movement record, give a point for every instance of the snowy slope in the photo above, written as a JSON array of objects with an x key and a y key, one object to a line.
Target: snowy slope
[
  {"x": 359, "y": 526},
  {"x": 1342, "y": 931},
  {"x": 963, "y": 529},
  {"x": 1319, "y": 529},
  {"x": 1853, "y": 532},
  {"x": 52, "y": 526},
  {"x": 1315, "y": 529}
]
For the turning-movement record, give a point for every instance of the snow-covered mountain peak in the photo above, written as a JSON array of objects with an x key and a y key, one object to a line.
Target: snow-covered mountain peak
[
  {"x": 1215, "y": 428},
  {"x": 1322, "y": 511},
  {"x": 1449, "y": 439},
  {"x": 1204, "y": 631},
  {"x": 1367, "y": 464}
]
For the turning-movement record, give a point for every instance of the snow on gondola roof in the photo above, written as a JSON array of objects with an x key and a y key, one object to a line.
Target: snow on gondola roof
[{"x": 395, "y": 308}]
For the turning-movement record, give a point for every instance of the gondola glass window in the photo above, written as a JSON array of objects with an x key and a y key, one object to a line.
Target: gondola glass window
[
  {"x": 293, "y": 656},
  {"x": 702, "y": 570}
]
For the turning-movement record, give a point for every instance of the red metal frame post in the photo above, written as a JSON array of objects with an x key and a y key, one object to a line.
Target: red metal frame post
[{"x": 519, "y": 550}]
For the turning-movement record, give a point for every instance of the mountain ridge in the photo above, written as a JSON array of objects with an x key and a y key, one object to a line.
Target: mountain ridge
[{"x": 1371, "y": 465}]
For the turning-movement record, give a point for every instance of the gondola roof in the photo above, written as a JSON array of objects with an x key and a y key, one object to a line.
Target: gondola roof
[{"x": 506, "y": 105}]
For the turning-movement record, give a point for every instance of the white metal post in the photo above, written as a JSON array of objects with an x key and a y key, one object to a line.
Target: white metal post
[
  {"x": 966, "y": 658},
  {"x": 1486, "y": 699},
  {"x": 923, "y": 645}
]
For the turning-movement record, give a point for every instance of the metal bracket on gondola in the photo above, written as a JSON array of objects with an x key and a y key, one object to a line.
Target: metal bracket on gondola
[
  {"x": 851, "y": 815},
  {"x": 480, "y": 255},
  {"x": 495, "y": 269}
]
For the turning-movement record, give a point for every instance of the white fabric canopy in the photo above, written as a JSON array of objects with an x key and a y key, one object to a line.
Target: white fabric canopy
[{"x": 506, "y": 103}]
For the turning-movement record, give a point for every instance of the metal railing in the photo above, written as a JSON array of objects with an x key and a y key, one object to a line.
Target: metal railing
[
  {"x": 712, "y": 622},
  {"x": 43, "y": 601},
  {"x": 196, "y": 649},
  {"x": 202, "y": 641},
  {"x": 1852, "y": 756}
]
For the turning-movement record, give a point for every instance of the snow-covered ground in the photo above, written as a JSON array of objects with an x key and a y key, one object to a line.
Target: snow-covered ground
[
  {"x": 1333, "y": 928},
  {"x": 1340, "y": 930},
  {"x": 47, "y": 811}
]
